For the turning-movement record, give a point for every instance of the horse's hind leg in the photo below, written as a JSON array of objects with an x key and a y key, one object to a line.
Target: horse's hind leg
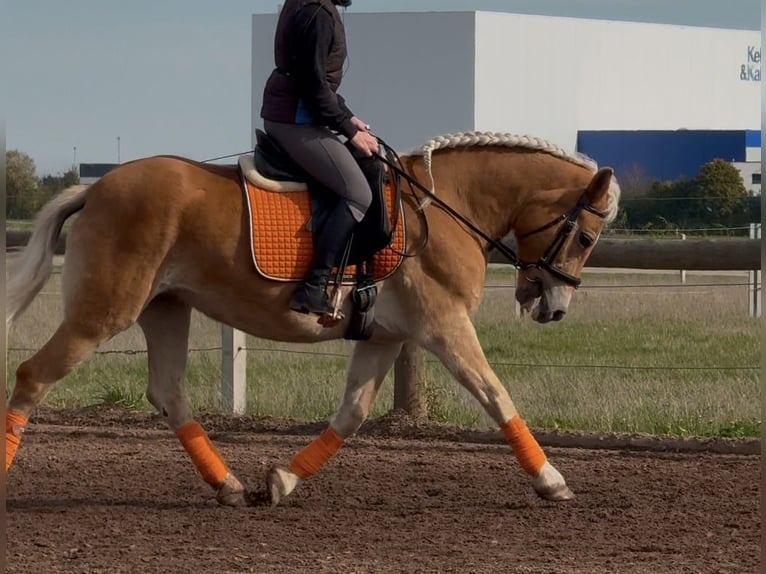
[
  {"x": 367, "y": 369},
  {"x": 454, "y": 341},
  {"x": 165, "y": 323},
  {"x": 70, "y": 344}
]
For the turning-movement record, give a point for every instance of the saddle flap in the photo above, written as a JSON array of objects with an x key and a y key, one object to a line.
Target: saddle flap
[{"x": 282, "y": 246}]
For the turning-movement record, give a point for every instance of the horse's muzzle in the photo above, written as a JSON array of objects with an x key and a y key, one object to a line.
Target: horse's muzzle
[
  {"x": 542, "y": 314},
  {"x": 528, "y": 294}
]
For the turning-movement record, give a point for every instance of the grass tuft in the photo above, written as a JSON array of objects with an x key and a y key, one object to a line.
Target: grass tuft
[{"x": 122, "y": 395}]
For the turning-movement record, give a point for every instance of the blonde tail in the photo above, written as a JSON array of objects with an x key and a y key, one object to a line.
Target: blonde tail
[{"x": 29, "y": 270}]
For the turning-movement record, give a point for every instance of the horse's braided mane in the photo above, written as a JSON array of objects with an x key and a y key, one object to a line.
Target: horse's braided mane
[{"x": 472, "y": 139}]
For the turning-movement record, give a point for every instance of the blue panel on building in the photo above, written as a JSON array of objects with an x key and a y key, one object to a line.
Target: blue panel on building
[
  {"x": 753, "y": 138},
  {"x": 664, "y": 155}
]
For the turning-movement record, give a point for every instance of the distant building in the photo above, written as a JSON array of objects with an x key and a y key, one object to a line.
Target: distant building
[
  {"x": 751, "y": 175},
  {"x": 92, "y": 172},
  {"x": 670, "y": 155},
  {"x": 663, "y": 97}
]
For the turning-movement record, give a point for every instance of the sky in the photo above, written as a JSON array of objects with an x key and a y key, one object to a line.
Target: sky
[{"x": 91, "y": 81}]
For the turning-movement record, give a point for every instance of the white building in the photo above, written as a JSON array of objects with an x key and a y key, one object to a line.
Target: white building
[{"x": 416, "y": 75}]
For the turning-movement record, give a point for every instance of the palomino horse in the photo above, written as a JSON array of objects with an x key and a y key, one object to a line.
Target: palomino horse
[{"x": 159, "y": 236}]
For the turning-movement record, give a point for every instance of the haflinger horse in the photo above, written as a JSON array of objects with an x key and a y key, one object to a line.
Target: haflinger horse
[{"x": 160, "y": 236}]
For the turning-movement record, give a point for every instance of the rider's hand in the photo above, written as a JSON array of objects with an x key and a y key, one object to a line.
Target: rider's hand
[
  {"x": 359, "y": 124},
  {"x": 365, "y": 142}
]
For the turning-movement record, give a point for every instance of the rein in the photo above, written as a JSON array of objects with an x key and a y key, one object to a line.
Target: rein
[{"x": 546, "y": 260}]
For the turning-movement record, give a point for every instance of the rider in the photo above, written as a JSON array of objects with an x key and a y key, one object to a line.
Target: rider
[{"x": 302, "y": 111}]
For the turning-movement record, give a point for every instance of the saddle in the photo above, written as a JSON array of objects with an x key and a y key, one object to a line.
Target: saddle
[{"x": 287, "y": 207}]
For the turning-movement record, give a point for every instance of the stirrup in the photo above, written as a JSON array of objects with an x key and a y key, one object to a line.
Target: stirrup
[{"x": 337, "y": 301}]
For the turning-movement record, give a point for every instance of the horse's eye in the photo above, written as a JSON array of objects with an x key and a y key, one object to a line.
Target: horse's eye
[{"x": 586, "y": 240}]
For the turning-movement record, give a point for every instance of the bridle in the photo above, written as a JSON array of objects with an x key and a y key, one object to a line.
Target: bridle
[
  {"x": 548, "y": 258},
  {"x": 546, "y": 261}
]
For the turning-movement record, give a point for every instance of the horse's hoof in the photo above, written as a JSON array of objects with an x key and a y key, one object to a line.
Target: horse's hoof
[
  {"x": 280, "y": 482},
  {"x": 550, "y": 485},
  {"x": 231, "y": 492},
  {"x": 556, "y": 494}
]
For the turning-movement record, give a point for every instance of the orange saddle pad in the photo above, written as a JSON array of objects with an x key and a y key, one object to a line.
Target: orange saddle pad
[{"x": 282, "y": 245}]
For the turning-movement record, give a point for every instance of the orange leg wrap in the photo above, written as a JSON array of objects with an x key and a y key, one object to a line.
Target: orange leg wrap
[
  {"x": 529, "y": 454},
  {"x": 202, "y": 452},
  {"x": 14, "y": 426},
  {"x": 311, "y": 458}
]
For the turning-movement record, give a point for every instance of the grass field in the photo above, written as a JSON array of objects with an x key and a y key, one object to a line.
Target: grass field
[
  {"x": 19, "y": 224},
  {"x": 630, "y": 356}
]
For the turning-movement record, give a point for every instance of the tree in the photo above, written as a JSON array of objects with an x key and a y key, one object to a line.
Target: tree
[
  {"x": 21, "y": 185},
  {"x": 714, "y": 198},
  {"x": 721, "y": 182},
  {"x": 634, "y": 183},
  {"x": 56, "y": 183}
]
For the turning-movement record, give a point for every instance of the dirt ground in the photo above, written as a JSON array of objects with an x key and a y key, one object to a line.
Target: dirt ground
[{"x": 113, "y": 492}]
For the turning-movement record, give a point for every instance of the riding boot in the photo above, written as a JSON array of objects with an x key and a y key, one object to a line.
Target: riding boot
[{"x": 312, "y": 297}]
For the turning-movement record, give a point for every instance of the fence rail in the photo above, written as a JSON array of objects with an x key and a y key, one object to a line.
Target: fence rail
[
  {"x": 706, "y": 254},
  {"x": 719, "y": 254}
]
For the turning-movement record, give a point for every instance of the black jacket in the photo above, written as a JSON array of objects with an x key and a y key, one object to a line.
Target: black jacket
[{"x": 310, "y": 51}]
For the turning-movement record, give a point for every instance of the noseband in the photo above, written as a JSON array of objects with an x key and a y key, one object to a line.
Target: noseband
[
  {"x": 549, "y": 257},
  {"x": 546, "y": 261}
]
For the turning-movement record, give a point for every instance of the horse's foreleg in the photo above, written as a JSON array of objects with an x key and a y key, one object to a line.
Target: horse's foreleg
[
  {"x": 458, "y": 347},
  {"x": 165, "y": 323},
  {"x": 370, "y": 362}
]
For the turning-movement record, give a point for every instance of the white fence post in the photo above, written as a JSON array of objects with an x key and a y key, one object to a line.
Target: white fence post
[
  {"x": 754, "y": 279},
  {"x": 234, "y": 384},
  {"x": 683, "y": 271}
]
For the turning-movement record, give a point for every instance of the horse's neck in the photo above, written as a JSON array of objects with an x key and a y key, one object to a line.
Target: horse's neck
[{"x": 493, "y": 187}]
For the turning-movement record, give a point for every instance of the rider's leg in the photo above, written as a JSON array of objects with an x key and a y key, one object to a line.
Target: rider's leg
[
  {"x": 327, "y": 160},
  {"x": 328, "y": 248}
]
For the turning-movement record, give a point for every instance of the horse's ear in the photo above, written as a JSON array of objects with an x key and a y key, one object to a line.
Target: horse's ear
[{"x": 599, "y": 185}]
